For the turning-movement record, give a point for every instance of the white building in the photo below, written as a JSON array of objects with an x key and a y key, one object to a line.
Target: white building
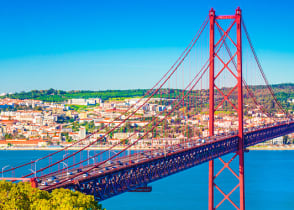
[
  {"x": 82, "y": 132},
  {"x": 82, "y": 101}
]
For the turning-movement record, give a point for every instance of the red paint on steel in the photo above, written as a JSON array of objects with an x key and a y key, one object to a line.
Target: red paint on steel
[
  {"x": 34, "y": 182},
  {"x": 223, "y": 17},
  {"x": 240, "y": 109},
  {"x": 211, "y": 108}
]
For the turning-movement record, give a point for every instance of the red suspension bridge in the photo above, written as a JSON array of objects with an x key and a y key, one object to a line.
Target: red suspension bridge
[{"x": 205, "y": 106}]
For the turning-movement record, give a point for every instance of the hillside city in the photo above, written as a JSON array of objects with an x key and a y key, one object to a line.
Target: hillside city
[{"x": 35, "y": 123}]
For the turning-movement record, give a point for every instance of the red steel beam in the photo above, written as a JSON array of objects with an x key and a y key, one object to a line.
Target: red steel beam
[
  {"x": 224, "y": 17},
  {"x": 240, "y": 109},
  {"x": 211, "y": 108}
]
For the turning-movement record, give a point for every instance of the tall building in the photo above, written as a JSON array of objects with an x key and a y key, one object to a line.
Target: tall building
[{"x": 82, "y": 132}]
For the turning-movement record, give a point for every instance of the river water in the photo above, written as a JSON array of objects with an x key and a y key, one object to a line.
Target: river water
[{"x": 269, "y": 184}]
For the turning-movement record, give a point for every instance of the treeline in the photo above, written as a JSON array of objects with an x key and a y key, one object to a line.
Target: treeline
[
  {"x": 284, "y": 92},
  {"x": 53, "y": 95}
]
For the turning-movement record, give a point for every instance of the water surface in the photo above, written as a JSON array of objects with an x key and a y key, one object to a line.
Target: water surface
[{"x": 269, "y": 184}]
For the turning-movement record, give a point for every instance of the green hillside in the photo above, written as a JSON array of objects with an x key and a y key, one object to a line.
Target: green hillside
[{"x": 284, "y": 92}]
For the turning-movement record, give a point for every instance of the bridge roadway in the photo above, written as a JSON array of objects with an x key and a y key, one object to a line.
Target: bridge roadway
[{"x": 138, "y": 170}]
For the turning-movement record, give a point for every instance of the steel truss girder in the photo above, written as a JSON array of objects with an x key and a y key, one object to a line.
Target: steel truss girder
[
  {"x": 265, "y": 134},
  {"x": 131, "y": 177},
  {"x": 139, "y": 175}
]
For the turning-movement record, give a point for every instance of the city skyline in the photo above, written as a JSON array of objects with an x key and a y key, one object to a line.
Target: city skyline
[{"x": 114, "y": 45}]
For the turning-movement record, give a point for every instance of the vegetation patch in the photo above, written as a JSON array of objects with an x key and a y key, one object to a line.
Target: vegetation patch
[{"x": 22, "y": 196}]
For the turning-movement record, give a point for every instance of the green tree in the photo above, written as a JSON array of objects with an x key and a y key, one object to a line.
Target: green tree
[
  {"x": 285, "y": 139},
  {"x": 90, "y": 127},
  {"x": 8, "y": 136},
  {"x": 23, "y": 196}
]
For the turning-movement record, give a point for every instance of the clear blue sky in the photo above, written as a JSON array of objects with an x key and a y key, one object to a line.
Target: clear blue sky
[{"x": 106, "y": 44}]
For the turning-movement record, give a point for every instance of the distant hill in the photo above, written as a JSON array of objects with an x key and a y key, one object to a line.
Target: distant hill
[
  {"x": 52, "y": 95},
  {"x": 282, "y": 91}
]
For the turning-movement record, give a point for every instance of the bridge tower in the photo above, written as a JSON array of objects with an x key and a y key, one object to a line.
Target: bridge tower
[{"x": 239, "y": 108}]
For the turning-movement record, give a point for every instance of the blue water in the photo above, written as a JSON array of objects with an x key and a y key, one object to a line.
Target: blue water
[{"x": 269, "y": 184}]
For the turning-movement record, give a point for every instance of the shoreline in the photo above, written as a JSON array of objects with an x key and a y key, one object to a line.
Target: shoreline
[
  {"x": 272, "y": 147},
  {"x": 72, "y": 148},
  {"x": 252, "y": 148}
]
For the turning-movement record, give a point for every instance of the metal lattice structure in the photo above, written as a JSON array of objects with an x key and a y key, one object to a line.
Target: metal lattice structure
[{"x": 238, "y": 108}]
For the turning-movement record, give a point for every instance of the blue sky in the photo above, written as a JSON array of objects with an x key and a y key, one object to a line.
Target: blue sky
[{"x": 106, "y": 44}]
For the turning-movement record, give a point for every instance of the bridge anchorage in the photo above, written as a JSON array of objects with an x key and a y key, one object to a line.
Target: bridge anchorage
[{"x": 179, "y": 123}]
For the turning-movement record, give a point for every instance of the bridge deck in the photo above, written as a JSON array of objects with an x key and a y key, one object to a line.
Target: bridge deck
[{"x": 125, "y": 174}]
